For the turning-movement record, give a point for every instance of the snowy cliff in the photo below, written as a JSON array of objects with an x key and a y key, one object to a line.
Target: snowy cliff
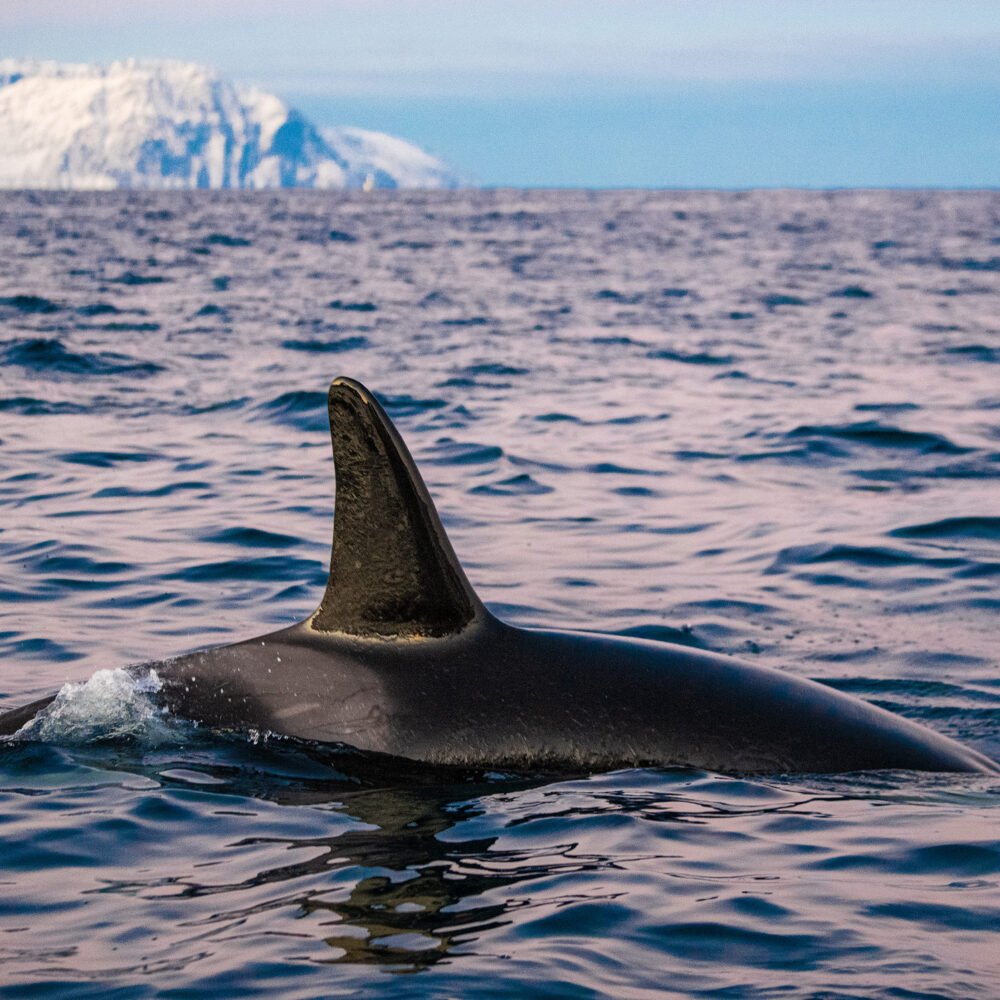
[{"x": 177, "y": 125}]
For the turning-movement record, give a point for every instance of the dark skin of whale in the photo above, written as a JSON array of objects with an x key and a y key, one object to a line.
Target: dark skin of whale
[{"x": 402, "y": 658}]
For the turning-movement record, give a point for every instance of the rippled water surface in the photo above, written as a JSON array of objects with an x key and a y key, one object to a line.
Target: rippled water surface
[{"x": 764, "y": 424}]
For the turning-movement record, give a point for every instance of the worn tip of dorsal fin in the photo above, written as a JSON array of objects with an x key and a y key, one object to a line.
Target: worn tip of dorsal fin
[{"x": 393, "y": 572}]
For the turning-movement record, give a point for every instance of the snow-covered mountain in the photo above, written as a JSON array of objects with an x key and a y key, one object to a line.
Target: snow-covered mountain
[
  {"x": 166, "y": 124},
  {"x": 374, "y": 158}
]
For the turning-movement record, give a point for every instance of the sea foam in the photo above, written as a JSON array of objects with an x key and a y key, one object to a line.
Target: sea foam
[{"x": 111, "y": 705}]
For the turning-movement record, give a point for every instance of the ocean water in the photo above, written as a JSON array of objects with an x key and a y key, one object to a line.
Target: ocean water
[{"x": 764, "y": 424}]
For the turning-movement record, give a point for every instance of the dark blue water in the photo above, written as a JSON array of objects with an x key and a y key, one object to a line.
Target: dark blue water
[{"x": 764, "y": 424}]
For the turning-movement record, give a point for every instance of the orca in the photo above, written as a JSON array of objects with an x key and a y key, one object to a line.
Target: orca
[{"x": 402, "y": 658}]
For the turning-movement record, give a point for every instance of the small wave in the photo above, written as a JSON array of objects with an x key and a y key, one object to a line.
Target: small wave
[
  {"x": 119, "y": 327},
  {"x": 168, "y": 489},
  {"x": 522, "y": 485},
  {"x": 955, "y": 860},
  {"x": 801, "y": 226},
  {"x": 98, "y": 309},
  {"x": 28, "y": 406},
  {"x": 501, "y": 370},
  {"x": 809, "y": 453},
  {"x": 47, "y": 355},
  {"x": 638, "y": 418},
  {"x": 134, "y": 278},
  {"x": 252, "y": 538},
  {"x": 984, "y": 467},
  {"x": 299, "y": 408},
  {"x": 193, "y": 409},
  {"x": 340, "y": 236},
  {"x": 554, "y": 418},
  {"x": 953, "y": 527},
  {"x": 885, "y": 407},
  {"x": 407, "y": 406},
  {"x": 777, "y": 299},
  {"x": 613, "y": 469},
  {"x": 635, "y": 491},
  {"x": 223, "y": 240},
  {"x": 745, "y": 946},
  {"x": 936, "y": 917},
  {"x": 43, "y": 650},
  {"x": 408, "y": 245},
  {"x": 970, "y": 263},
  {"x": 436, "y": 298},
  {"x": 852, "y": 292},
  {"x": 910, "y": 690},
  {"x": 342, "y": 304},
  {"x": 616, "y": 341},
  {"x": 876, "y": 435},
  {"x": 326, "y": 346},
  {"x": 466, "y": 321},
  {"x": 105, "y": 459},
  {"x": 611, "y": 295},
  {"x": 448, "y": 452},
  {"x": 683, "y": 636},
  {"x": 864, "y": 556},
  {"x": 78, "y": 564},
  {"x": 29, "y": 303},
  {"x": 111, "y": 705},
  {"x": 975, "y": 352},
  {"x": 692, "y": 358},
  {"x": 279, "y": 569}
]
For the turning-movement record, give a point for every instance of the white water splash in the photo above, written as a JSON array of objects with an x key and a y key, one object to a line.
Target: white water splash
[{"x": 112, "y": 704}]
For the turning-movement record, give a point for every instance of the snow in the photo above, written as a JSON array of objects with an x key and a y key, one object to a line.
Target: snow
[
  {"x": 166, "y": 124},
  {"x": 388, "y": 160}
]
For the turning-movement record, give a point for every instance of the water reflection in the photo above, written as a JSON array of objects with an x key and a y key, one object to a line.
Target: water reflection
[
  {"x": 419, "y": 897},
  {"x": 284, "y": 859},
  {"x": 388, "y": 890},
  {"x": 403, "y": 889}
]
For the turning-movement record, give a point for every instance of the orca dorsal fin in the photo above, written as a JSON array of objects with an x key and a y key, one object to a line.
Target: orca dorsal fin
[{"x": 393, "y": 572}]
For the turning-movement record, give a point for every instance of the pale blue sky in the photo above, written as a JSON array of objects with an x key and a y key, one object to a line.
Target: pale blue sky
[{"x": 580, "y": 92}]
